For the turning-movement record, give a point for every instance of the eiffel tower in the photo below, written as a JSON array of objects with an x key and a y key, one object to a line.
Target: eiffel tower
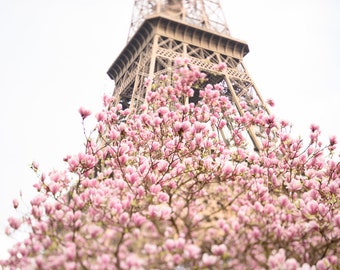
[{"x": 163, "y": 30}]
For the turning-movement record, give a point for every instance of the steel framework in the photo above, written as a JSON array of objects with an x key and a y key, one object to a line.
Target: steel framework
[
  {"x": 205, "y": 14},
  {"x": 163, "y": 30}
]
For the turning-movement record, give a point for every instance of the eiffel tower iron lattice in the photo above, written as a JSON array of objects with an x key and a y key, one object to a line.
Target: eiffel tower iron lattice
[{"x": 164, "y": 30}]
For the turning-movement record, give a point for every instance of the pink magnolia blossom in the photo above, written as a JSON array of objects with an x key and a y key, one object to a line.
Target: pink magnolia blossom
[
  {"x": 15, "y": 203},
  {"x": 208, "y": 260},
  {"x": 221, "y": 67},
  {"x": 271, "y": 102},
  {"x": 192, "y": 251},
  {"x": 138, "y": 219},
  {"x": 14, "y": 223},
  {"x": 218, "y": 249},
  {"x": 84, "y": 112},
  {"x": 35, "y": 165}
]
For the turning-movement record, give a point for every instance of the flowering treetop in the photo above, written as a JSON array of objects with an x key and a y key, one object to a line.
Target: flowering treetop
[{"x": 177, "y": 186}]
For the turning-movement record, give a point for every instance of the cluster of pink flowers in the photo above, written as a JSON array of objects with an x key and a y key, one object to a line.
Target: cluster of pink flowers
[{"x": 179, "y": 187}]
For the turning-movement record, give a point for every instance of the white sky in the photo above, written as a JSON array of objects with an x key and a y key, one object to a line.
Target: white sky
[{"x": 54, "y": 56}]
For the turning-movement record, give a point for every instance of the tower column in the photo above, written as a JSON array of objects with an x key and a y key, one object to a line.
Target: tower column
[
  {"x": 153, "y": 60},
  {"x": 236, "y": 101}
]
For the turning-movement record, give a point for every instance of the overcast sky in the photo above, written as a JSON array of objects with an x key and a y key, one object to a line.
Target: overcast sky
[{"x": 54, "y": 56}]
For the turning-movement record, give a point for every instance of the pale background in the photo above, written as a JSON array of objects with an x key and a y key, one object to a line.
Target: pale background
[{"x": 54, "y": 56}]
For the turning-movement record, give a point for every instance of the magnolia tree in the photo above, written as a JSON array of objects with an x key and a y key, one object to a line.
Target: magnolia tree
[{"x": 169, "y": 188}]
